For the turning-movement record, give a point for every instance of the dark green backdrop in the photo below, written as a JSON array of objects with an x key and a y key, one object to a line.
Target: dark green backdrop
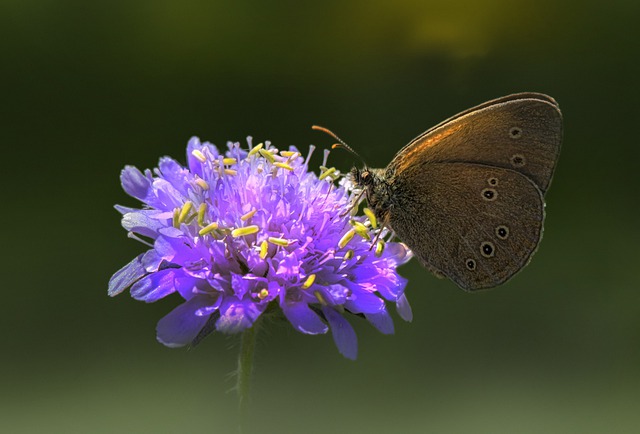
[{"x": 88, "y": 87}]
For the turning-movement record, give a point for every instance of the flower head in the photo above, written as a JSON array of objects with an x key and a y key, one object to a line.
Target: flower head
[{"x": 237, "y": 232}]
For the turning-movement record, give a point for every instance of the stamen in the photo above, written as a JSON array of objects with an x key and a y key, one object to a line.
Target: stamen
[
  {"x": 185, "y": 211},
  {"x": 361, "y": 229},
  {"x": 279, "y": 241},
  {"x": 320, "y": 298},
  {"x": 346, "y": 238},
  {"x": 348, "y": 255},
  {"x": 326, "y": 173},
  {"x": 202, "y": 184},
  {"x": 289, "y": 154},
  {"x": 379, "y": 248},
  {"x": 199, "y": 155},
  {"x": 255, "y": 149},
  {"x": 208, "y": 228},
  {"x": 201, "y": 210},
  {"x": 137, "y": 238},
  {"x": 230, "y": 172},
  {"x": 248, "y": 215},
  {"x": 307, "y": 283},
  {"x": 372, "y": 217},
  {"x": 176, "y": 218},
  {"x": 229, "y": 161},
  {"x": 263, "y": 294},
  {"x": 284, "y": 166},
  {"x": 264, "y": 249},
  {"x": 247, "y": 230},
  {"x": 268, "y": 155}
]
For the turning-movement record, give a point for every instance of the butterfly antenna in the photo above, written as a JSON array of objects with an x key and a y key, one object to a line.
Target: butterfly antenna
[{"x": 342, "y": 144}]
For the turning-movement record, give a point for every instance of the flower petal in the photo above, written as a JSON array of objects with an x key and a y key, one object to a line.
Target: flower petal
[
  {"x": 404, "y": 309},
  {"x": 343, "y": 334},
  {"x": 303, "y": 318},
  {"x": 182, "y": 325},
  {"x": 154, "y": 286},
  {"x": 135, "y": 183},
  {"x": 237, "y": 315},
  {"x": 126, "y": 276},
  {"x": 382, "y": 321}
]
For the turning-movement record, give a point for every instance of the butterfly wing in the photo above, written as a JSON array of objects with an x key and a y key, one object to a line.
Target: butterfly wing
[
  {"x": 521, "y": 132},
  {"x": 478, "y": 225}
]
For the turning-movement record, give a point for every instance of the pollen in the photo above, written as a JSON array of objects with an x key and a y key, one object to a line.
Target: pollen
[
  {"x": 290, "y": 154},
  {"x": 176, "y": 215},
  {"x": 263, "y": 294},
  {"x": 284, "y": 166},
  {"x": 268, "y": 155},
  {"x": 184, "y": 212},
  {"x": 202, "y": 184},
  {"x": 379, "y": 248},
  {"x": 247, "y": 230},
  {"x": 264, "y": 249},
  {"x": 199, "y": 155},
  {"x": 208, "y": 228},
  {"x": 348, "y": 255},
  {"x": 248, "y": 215},
  {"x": 230, "y": 172},
  {"x": 307, "y": 283},
  {"x": 372, "y": 217},
  {"x": 361, "y": 229},
  {"x": 326, "y": 173},
  {"x": 229, "y": 161},
  {"x": 346, "y": 238},
  {"x": 202, "y": 209},
  {"x": 255, "y": 149},
  {"x": 279, "y": 241}
]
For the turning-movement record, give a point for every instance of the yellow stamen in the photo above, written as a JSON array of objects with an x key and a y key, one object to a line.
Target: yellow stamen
[
  {"x": 372, "y": 217},
  {"x": 247, "y": 230},
  {"x": 176, "y": 215},
  {"x": 361, "y": 229},
  {"x": 263, "y": 294},
  {"x": 229, "y": 161},
  {"x": 348, "y": 255},
  {"x": 279, "y": 241},
  {"x": 199, "y": 155},
  {"x": 307, "y": 283},
  {"x": 255, "y": 149},
  {"x": 379, "y": 248},
  {"x": 264, "y": 249},
  {"x": 268, "y": 155},
  {"x": 201, "y": 210},
  {"x": 248, "y": 215},
  {"x": 184, "y": 212},
  {"x": 320, "y": 298},
  {"x": 202, "y": 184},
  {"x": 230, "y": 172},
  {"x": 346, "y": 238},
  {"x": 288, "y": 154},
  {"x": 284, "y": 166},
  {"x": 208, "y": 228},
  {"x": 326, "y": 173}
]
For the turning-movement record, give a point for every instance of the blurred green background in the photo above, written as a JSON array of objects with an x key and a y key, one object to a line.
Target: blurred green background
[{"x": 88, "y": 87}]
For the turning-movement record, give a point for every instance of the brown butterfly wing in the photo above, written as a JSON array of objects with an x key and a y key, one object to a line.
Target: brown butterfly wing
[
  {"x": 522, "y": 132},
  {"x": 476, "y": 224}
]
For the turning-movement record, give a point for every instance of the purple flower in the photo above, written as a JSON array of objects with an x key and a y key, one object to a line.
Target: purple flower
[{"x": 238, "y": 232}]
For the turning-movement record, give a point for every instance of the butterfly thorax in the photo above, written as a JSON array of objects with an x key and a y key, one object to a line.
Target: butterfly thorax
[{"x": 377, "y": 190}]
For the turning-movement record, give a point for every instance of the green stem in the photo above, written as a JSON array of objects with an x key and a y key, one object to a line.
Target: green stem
[{"x": 245, "y": 369}]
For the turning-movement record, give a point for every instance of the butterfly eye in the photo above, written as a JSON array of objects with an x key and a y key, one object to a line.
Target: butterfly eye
[
  {"x": 518, "y": 160},
  {"x": 487, "y": 249},
  {"x": 502, "y": 232},
  {"x": 489, "y": 194},
  {"x": 471, "y": 264},
  {"x": 515, "y": 132}
]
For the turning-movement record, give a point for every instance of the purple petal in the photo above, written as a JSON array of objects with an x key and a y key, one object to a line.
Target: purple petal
[
  {"x": 135, "y": 183},
  {"x": 154, "y": 286},
  {"x": 362, "y": 301},
  {"x": 237, "y": 315},
  {"x": 382, "y": 321},
  {"x": 343, "y": 334},
  {"x": 182, "y": 325},
  {"x": 126, "y": 276},
  {"x": 404, "y": 309},
  {"x": 141, "y": 223},
  {"x": 303, "y": 318}
]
